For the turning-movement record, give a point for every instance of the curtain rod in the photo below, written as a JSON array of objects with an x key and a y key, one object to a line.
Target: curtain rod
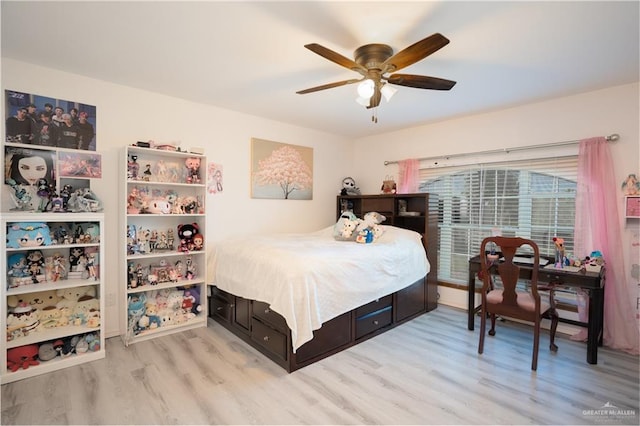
[{"x": 611, "y": 138}]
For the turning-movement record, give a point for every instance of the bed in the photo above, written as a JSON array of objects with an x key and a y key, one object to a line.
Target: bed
[{"x": 298, "y": 298}]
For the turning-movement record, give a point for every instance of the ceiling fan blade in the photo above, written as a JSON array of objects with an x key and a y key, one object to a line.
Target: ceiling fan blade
[
  {"x": 336, "y": 57},
  {"x": 420, "y": 81},
  {"x": 329, "y": 86},
  {"x": 415, "y": 52}
]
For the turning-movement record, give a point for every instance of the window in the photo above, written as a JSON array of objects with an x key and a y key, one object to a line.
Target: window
[{"x": 532, "y": 199}]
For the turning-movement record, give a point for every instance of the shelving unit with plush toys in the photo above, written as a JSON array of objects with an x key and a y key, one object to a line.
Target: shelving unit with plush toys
[
  {"x": 163, "y": 243},
  {"x": 53, "y": 293}
]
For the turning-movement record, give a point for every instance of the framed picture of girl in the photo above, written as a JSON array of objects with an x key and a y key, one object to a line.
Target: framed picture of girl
[{"x": 31, "y": 175}]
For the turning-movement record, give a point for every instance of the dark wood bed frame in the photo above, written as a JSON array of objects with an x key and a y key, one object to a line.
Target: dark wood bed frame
[{"x": 255, "y": 323}]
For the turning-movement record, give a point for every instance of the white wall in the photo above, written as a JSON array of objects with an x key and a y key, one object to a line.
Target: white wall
[
  {"x": 126, "y": 115},
  {"x": 597, "y": 113}
]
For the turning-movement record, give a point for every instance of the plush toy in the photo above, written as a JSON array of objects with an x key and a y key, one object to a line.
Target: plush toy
[
  {"x": 17, "y": 270},
  {"x": 69, "y": 346},
  {"x": 28, "y": 234},
  {"x": 51, "y": 317},
  {"x": 46, "y": 352},
  {"x": 69, "y": 296},
  {"x": 349, "y": 187},
  {"x": 191, "y": 301},
  {"x": 186, "y": 234},
  {"x": 365, "y": 236},
  {"x": 344, "y": 229},
  {"x": 21, "y": 320},
  {"x": 87, "y": 307},
  {"x": 193, "y": 169},
  {"x": 35, "y": 263},
  {"x": 135, "y": 311},
  {"x": 22, "y": 357},
  {"x": 198, "y": 242},
  {"x": 369, "y": 229}
]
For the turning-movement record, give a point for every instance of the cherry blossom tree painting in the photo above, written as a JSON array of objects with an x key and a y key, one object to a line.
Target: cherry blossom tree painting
[{"x": 281, "y": 171}]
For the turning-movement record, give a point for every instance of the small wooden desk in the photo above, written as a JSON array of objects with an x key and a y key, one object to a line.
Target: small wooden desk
[{"x": 591, "y": 282}]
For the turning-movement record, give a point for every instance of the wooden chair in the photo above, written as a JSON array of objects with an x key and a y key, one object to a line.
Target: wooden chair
[{"x": 512, "y": 302}]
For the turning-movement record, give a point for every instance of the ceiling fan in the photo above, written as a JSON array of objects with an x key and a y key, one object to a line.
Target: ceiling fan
[{"x": 375, "y": 61}]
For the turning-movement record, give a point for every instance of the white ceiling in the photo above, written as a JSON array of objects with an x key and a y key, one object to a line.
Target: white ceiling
[{"x": 249, "y": 56}]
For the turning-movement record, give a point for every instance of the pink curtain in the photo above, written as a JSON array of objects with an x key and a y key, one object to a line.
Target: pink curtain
[
  {"x": 597, "y": 227},
  {"x": 408, "y": 181}
]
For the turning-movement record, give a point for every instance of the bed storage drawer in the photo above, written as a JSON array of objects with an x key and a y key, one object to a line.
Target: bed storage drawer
[
  {"x": 373, "y": 321},
  {"x": 263, "y": 311},
  {"x": 270, "y": 339},
  {"x": 376, "y": 305},
  {"x": 333, "y": 334},
  {"x": 411, "y": 301},
  {"x": 220, "y": 308}
]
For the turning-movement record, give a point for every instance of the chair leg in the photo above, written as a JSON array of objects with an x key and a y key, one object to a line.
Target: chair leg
[
  {"x": 554, "y": 325},
  {"x": 536, "y": 344},
  {"x": 483, "y": 326},
  {"x": 492, "y": 332}
]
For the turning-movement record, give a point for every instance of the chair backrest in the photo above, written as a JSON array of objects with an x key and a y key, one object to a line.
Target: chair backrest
[{"x": 508, "y": 271}]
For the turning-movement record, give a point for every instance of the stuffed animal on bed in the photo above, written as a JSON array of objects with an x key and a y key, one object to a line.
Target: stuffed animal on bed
[
  {"x": 369, "y": 229},
  {"x": 345, "y": 228}
]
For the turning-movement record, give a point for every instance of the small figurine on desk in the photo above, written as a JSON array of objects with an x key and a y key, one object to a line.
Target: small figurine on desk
[{"x": 559, "y": 243}]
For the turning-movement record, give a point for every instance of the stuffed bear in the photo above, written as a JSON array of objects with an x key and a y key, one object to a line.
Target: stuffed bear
[
  {"x": 186, "y": 234},
  {"x": 345, "y": 228}
]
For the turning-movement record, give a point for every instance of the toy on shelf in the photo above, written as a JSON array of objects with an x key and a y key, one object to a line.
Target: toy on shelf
[
  {"x": 349, "y": 187},
  {"x": 28, "y": 234},
  {"x": 193, "y": 169},
  {"x": 20, "y": 197},
  {"x": 22, "y": 357}
]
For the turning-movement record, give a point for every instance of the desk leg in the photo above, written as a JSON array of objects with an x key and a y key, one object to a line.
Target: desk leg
[
  {"x": 471, "y": 307},
  {"x": 596, "y": 313}
]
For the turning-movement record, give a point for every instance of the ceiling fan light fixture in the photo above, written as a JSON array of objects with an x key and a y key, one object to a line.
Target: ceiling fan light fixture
[
  {"x": 366, "y": 88},
  {"x": 388, "y": 91},
  {"x": 362, "y": 101}
]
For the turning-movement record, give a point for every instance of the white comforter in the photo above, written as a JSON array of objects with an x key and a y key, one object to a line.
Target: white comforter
[{"x": 312, "y": 278}]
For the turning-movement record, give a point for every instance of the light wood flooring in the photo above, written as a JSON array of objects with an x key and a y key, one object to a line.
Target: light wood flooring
[{"x": 427, "y": 371}]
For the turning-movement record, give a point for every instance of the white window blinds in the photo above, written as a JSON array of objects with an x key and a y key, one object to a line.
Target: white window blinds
[{"x": 529, "y": 198}]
